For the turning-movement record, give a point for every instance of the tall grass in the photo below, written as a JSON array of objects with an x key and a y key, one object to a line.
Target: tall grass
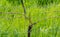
[{"x": 13, "y": 24}]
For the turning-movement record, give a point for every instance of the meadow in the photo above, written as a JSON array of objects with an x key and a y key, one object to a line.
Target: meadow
[{"x": 14, "y": 24}]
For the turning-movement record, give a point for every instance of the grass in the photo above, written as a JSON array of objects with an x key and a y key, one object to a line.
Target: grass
[{"x": 16, "y": 26}]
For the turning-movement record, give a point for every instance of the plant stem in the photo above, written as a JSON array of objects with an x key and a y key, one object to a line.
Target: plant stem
[{"x": 23, "y": 8}]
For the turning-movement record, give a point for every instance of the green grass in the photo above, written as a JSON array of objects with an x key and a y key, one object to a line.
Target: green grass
[{"x": 17, "y": 26}]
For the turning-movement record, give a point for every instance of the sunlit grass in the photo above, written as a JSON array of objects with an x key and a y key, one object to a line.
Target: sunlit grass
[{"x": 17, "y": 26}]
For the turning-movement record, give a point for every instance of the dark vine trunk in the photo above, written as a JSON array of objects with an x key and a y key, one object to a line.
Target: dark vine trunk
[{"x": 29, "y": 30}]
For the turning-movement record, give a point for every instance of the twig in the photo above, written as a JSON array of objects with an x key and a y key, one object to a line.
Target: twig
[{"x": 24, "y": 8}]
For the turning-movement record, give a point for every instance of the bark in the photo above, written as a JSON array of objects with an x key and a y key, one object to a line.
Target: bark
[{"x": 29, "y": 30}]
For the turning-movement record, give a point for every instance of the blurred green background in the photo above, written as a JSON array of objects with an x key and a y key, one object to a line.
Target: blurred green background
[{"x": 13, "y": 24}]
